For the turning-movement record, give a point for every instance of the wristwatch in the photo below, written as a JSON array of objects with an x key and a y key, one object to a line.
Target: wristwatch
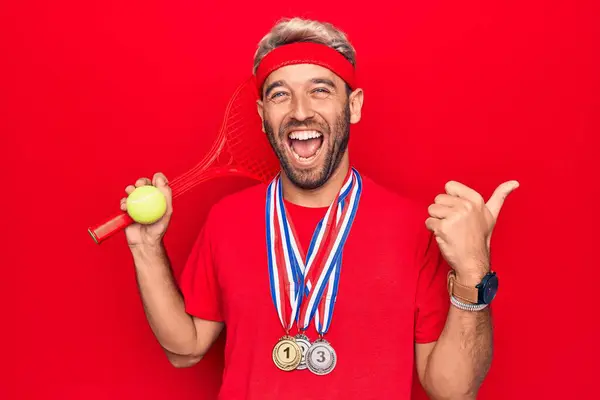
[{"x": 482, "y": 293}]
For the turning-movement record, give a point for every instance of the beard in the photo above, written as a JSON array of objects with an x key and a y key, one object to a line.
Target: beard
[{"x": 315, "y": 177}]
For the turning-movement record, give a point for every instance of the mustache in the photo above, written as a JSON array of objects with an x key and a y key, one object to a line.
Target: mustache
[{"x": 306, "y": 124}]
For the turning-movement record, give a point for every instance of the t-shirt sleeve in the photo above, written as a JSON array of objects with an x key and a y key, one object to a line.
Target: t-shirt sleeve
[
  {"x": 198, "y": 281},
  {"x": 432, "y": 299}
]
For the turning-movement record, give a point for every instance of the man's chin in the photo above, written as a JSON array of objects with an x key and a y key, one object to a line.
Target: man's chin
[
  {"x": 308, "y": 185},
  {"x": 306, "y": 179}
]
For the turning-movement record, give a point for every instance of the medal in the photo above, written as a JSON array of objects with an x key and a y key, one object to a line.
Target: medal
[
  {"x": 304, "y": 288},
  {"x": 304, "y": 344},
  {"x": 321, "y": 357},
  {"x": 287, "y": 355}
]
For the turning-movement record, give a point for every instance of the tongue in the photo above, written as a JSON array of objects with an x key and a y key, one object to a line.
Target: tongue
[{"x": 306, "y": 148}]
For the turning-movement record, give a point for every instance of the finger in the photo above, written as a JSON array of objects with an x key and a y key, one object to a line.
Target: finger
[
  {"x": 496, "y": 201},
  {"x": 123, "y": 204},
  {"x": 129, "y": 189},
  {"x": 162, "y": 183},
  {"x": 439, "y": 211},
  {"x": 447, "y": 200},
  {"x": 457, "y": 189},
  {"x": 142, "y": 182},
  {"x": 160, "y": 180},
  {"x": 433, "y": 224}
]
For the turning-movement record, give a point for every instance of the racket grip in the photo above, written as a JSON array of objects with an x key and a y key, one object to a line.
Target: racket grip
[{"x": 105, "y": 230}]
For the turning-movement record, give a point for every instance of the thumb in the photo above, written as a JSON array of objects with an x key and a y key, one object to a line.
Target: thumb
[{"x": 496, "y": 201}]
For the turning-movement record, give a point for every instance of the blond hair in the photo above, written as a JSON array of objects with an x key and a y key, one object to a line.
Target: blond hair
[{"x": 288, "y": 31}]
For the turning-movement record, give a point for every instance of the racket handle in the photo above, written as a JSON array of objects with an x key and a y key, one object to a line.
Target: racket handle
[
  {"x": 105, "y": 230},
  {"x": 120, "y": 221}
]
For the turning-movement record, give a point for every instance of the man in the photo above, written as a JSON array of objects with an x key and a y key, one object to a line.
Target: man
[{"x": 329, "y": 285}]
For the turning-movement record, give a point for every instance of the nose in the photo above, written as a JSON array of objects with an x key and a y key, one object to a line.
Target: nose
[{"x": 301, "y": 108}]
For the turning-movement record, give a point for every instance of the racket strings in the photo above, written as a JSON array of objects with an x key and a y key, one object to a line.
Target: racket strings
[
  {"x": 241, "y": 139},
  {"x": 237, "y": 124},
  {"x": 217, "y": 147},
  {"x": 196, "y": 174},
  {"x": 214, "y": 152}
]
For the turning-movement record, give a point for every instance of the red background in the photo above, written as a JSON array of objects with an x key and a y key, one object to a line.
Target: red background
[{"x": 95, "y": 95}]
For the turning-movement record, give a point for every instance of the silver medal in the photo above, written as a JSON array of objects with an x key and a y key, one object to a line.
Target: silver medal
[
  {"x": 320, "y": 357},
  {"x": 304, "y": 343}
]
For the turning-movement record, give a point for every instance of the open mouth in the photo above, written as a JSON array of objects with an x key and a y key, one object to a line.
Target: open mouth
[{"x": 305, "y": 145}]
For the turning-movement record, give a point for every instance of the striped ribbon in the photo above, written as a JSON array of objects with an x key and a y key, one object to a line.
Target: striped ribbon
[{"x": 302, "y": 286}]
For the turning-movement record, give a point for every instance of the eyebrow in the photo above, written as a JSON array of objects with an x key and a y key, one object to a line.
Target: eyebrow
[
  {"x": 273, "y": 86},
  {"x": 316, "y": 81},
  {"x": 324, "y": 81}
]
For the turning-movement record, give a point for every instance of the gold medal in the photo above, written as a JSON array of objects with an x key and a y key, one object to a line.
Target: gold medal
[{"x": 287, "y": 355}]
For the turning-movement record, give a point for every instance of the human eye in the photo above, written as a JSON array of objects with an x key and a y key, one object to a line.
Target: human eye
[
  {"x": 278, "y": 96},
  {"x": 321, "y": 92}
]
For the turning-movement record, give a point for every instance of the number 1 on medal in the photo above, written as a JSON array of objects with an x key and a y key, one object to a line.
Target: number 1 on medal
[{"x": 287, "y": 354}]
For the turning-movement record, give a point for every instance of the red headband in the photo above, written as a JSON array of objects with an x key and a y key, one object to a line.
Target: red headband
[{"x": 306, "y": 53}]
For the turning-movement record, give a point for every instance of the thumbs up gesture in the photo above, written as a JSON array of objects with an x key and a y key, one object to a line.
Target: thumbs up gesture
[{"x": 463, "y": 223}]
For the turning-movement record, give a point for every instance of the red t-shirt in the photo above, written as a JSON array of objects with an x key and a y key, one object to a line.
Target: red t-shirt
[{"x": 392, "y": 293}]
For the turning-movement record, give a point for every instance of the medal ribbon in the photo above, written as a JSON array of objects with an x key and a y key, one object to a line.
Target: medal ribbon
[
  {"x": 325, "y": 274},
  {"x": 292, "y": 274}
]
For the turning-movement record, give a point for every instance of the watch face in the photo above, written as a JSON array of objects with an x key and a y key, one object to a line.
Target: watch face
[{"x": 489, "y": 289}]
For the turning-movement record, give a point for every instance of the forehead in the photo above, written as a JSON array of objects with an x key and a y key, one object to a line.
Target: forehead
[{"x": 300, "y": 74}]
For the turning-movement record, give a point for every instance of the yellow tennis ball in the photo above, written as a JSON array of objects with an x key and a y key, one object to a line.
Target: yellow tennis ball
[{"x": 146, "y": 204}]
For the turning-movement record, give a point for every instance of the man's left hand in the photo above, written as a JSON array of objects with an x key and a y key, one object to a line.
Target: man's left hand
[{"x": 463, "y": 223}]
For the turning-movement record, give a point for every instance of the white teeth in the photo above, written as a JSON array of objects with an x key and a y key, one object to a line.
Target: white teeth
[
  {"x": 305, "y": 159},
  {"x": 305, "y": 135}
]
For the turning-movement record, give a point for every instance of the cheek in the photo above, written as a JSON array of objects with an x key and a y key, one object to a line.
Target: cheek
[
  {"x": 273, "y": 119},
  {"x": 330, "y": 112}
]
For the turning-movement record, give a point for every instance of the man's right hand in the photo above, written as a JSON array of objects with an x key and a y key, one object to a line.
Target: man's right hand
[{"x": 149, "y": 234}]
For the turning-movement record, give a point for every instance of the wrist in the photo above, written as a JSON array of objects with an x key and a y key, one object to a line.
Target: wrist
[
  {"x": 472, "y": 274},
  {"x": 475, "y": 288},
  {"x": 144, "y": 251},
  {"x": 471, "y": 278},
  {"x": 466, "y": 306}
]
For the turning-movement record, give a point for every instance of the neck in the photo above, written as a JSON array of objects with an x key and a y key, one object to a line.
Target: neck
[{"x": 322, "y": 196}]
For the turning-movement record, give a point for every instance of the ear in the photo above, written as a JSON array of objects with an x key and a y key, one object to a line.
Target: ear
[
  {"x": 260, "y": 108},
  {"x": 356, "y": 102}
]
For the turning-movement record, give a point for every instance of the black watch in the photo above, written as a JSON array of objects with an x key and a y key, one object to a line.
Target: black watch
[
  {"x": 487, "y": 289},
  {"x": 482, "y": 293}
]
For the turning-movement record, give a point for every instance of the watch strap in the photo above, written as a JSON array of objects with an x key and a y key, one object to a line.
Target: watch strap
[
  {"x": 462, "y": 292},
  {"x": 466, "y": 306}
]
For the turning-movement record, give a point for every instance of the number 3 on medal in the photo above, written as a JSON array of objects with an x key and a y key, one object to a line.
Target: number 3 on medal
[{"x": 321, "y": 356}]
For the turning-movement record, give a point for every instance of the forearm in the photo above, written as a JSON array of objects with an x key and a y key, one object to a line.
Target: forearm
[
  {"x": 462, "y": 355},
  {"x": 182, "y": 361},
  {"x": 162, "y": 301}
]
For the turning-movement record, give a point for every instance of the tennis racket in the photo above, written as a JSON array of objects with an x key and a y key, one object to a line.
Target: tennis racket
[{"x": 241, "y": 149}]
